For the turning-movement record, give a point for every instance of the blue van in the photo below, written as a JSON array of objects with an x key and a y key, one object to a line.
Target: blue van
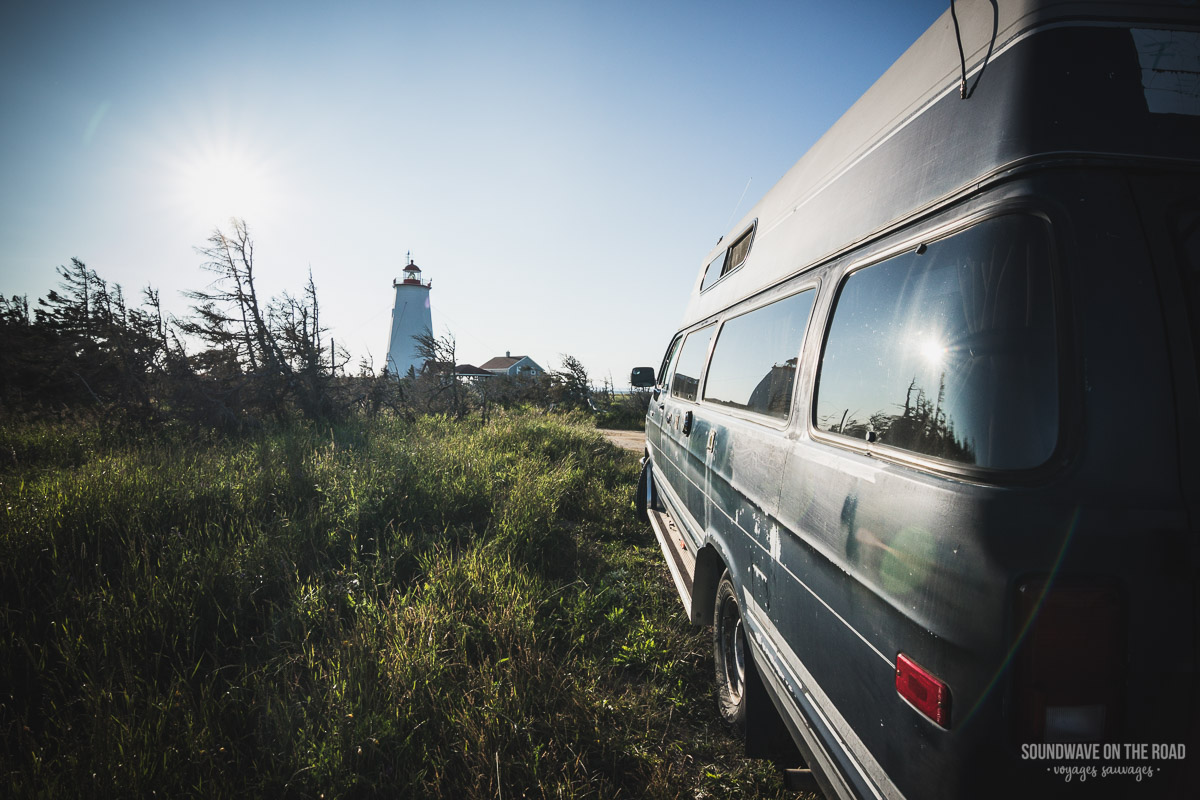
[{"x": 925, "y": 450}]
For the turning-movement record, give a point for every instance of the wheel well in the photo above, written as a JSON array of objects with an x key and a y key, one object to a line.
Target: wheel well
[
  {"x": 766, "y": 734},
  {"x": 709, "y": 568}
]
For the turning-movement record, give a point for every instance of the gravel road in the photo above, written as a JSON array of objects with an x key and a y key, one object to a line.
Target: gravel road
[{"x": 630, "y": 440}]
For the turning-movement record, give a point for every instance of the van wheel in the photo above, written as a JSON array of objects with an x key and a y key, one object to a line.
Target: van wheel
[
  {"x": 643, "y": 490},
  {"x": 729, "y": 655}
]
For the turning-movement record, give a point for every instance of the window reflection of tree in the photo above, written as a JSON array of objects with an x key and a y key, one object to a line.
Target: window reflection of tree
[{"x": 922, "y": 426}]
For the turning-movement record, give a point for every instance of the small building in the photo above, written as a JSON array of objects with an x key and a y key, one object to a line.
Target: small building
[{"x": 511, "y": 365}]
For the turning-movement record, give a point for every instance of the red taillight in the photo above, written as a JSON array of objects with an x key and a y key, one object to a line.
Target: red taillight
[
  {"x": 926, "y": 693},
  {"x": 1069, "y": 670}
]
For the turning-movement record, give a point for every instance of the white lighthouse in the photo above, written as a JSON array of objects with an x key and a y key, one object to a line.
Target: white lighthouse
[{"x": 410, "y": 317}]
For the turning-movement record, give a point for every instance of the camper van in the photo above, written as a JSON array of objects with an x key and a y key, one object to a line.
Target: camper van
[{"x": 925, "y": 449}]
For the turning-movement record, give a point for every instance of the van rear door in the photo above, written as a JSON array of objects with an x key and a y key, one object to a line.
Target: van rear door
[{"x": 1170, "y": 207}]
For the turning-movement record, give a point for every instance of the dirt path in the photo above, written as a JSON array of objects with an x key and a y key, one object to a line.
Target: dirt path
[{"x": 630, "y": 440}]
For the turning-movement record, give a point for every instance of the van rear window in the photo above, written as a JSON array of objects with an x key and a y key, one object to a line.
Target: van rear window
[
  {"x": 949, "y": 351},
  {"x": 753, "y": 365}
]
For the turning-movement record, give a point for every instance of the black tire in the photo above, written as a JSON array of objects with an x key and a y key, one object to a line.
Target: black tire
[
  {"x": 729, "y": 655},
  {"x": 643, "y": 499}
]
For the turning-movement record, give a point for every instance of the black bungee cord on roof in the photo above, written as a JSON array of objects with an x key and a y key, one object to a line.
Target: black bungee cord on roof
[{"x": 963, "y": 92}]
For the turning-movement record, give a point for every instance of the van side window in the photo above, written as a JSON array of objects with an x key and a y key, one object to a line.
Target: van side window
[
  {"x": 949, "y": 351},
  {"x": 667, "y": 363},
  {"x": 714, "y": 270},
  {"x": 685, "y": 383},
  {"x": 728, "y": 260},
  {"x": 754, "y": 363},
  {"x": 738, "y": 251}
]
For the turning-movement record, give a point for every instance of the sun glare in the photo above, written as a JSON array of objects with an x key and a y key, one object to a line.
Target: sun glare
[
  {"x": 933, "y": 351},
  {"x": 212, "y": 183}
]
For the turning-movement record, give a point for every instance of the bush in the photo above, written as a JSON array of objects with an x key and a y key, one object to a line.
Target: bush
[{"x": 624, "y": 411}]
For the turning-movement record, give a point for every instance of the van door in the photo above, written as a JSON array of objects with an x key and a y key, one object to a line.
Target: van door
[
  {"x": 751, "y": 375},
  {"x": 1170, "y": 206},
  {"x": 684, "y": 432},
  {"x": 656, "y": 411}
]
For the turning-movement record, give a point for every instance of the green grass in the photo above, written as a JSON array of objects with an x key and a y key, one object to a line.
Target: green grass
[{"x": 434, "y": 609}]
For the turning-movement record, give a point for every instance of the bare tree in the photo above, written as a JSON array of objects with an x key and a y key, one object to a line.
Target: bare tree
[
  {"x": 295, "y": 325},
  {"x": 84, "y": 348},
  {"x": 230, "y": 313},
  {"x": 436, "y": 387},
  {"x": 570, "y": 386},
  {"x": 268, "y": 354}
]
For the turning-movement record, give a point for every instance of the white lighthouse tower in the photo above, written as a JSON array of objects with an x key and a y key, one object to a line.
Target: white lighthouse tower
[{"x": 410, "y": 317}]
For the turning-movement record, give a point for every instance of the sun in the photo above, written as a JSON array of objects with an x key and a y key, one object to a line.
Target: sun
[
  {"x": 933, "y": 350},
  {"x": 215, "y": 181}
]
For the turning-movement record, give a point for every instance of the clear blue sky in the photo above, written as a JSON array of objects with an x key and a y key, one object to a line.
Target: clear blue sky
[{"x": 559, "y": 170}]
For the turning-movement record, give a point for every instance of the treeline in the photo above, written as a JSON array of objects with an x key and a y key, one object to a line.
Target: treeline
[
  {"x": 236, "y": 361},
  {"x": 437, "y": 390}
]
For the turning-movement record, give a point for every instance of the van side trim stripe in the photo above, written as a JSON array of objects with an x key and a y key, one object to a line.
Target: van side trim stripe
[
  {"x": 870, "y": 773},
  {"x": 890, "y": 662}
]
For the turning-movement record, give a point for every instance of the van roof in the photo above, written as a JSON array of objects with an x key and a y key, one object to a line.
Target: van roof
[{"x": 909, "y": 143}]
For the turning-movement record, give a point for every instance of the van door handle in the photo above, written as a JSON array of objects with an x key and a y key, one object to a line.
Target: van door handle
[
  {"x": 712, "y": 440},
  {"x": 687, "y": 423}
]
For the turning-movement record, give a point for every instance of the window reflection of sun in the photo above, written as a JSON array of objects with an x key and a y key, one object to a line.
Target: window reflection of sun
[{"x": 932, "y": 350}]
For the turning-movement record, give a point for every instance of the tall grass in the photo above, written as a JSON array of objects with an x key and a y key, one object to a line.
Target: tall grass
[{"x": 429, "y": 609}]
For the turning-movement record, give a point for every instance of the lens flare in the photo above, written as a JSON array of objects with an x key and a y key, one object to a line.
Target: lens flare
[
  {"x": 222, "y": 184},
  {"x": 933, "y": 351},
  {"x": 212, "y": 178}
]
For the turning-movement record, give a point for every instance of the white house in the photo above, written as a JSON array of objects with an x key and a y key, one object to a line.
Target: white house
[{"x": 511, "y": 365}]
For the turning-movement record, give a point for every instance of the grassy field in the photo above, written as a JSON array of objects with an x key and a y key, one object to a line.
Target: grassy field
[{"x": 428, "y": 609}]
